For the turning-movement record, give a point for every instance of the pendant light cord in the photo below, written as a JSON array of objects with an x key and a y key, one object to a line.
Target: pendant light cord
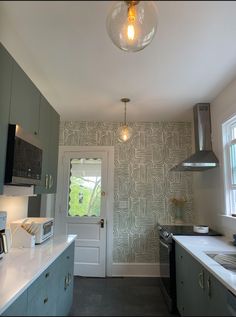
[{"x": 125, "y": 114}]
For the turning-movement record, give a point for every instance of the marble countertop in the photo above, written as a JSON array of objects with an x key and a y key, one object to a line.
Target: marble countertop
[
  {"x": 21, "y": 267},
  {"x": 198, "y": 246}
]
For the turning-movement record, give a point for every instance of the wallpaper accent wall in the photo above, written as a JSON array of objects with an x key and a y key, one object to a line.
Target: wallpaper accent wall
[{"x": 143, "y": 181}]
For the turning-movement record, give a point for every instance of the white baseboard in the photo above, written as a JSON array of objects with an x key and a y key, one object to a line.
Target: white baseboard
[{"x": 136, "y": 269}]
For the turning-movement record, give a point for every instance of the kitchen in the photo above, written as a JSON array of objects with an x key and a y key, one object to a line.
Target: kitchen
[{"x": 49, "y": 54}]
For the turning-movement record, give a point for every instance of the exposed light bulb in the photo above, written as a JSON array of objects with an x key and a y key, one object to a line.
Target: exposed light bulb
[
  {"x": 130, "y": 32},
  {"x": 131, "y": 19}
]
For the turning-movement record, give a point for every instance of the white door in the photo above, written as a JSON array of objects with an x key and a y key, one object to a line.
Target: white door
[{"x": 82, "y": 205}]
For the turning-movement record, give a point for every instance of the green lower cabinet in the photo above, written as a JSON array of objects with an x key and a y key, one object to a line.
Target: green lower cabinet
[
  {"x": 199, "y": 293},
  {"x": 51, "y": 294},
  {"x": 42, "y": 294},
  {"x": 217, "y": 304},
  {"x": 66, "y": 282},
  {"x": 44, "y": 303},
  {"x": 19, "y": 307},
  {"x": 190, "y": 285}
]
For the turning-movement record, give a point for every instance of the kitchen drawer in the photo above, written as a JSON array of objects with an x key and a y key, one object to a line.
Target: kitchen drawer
[
  {"x": 44, "y": 302},
  {"x": 46, "y": 279}
]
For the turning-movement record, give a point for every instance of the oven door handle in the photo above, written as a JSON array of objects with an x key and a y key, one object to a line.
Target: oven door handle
[{"x": 164, "y": 245}]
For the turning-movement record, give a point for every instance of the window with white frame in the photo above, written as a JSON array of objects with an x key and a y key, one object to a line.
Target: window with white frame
[{"x": 229, "y": 144}]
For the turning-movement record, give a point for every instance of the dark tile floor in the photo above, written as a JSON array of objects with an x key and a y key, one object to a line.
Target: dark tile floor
[{"x": 118, "y": 297}]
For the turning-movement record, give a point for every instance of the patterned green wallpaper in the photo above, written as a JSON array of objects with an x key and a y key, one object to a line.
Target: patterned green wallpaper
[{"x": 143, "y": 182}]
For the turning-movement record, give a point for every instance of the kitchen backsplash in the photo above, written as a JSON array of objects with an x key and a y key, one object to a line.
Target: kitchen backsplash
[
  {"x": 143, "y": 180},
  {"x": 16, "y": 207}
]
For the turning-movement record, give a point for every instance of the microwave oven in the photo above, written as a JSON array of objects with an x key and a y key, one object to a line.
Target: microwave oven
[
  {"x": 41, "y": 228},
  {"x": 23, "y": 159}
]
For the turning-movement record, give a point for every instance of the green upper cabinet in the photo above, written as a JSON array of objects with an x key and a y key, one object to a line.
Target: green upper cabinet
[
  {"x": 44, "y": 136},
  {"x": 6, "y": 64},
  {"x": 53, "y": 152},
  {"x": 49, "y": 137},
  {"x": 22, "y": 103},
  {"x": 25, "y": 98}
]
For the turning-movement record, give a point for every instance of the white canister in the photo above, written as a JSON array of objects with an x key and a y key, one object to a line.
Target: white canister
[{"x": 200, "y": 229}]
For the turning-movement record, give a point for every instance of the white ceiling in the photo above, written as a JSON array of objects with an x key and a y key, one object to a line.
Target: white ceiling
[{"x": 64, "y": 47}]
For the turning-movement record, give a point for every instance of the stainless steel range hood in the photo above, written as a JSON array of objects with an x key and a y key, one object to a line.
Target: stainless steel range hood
[{"x": 203, "y": 158}]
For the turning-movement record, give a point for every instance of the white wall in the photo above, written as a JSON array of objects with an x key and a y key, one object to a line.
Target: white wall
[
  {"x": 16, "y": 207},
  {"x": 208, "y": 187}
]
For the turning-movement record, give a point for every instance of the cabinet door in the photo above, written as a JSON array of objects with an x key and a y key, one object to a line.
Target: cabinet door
[
  {"x": 45, "y": 128},
  {"x": 24, "y": 101},
  {"x": 53, "y": 153},
  {"x": 42, "y": 294},
  {"x": 44, "y": 303},
  {"x": 180, "y": 278},
  {"x": 6, "y": 65},
  {"x": 191, "y": 286},
  {"x": 19, "y": 307},
  {"x": 217, "y": 297},
  {"x": 66, "y": 284},
  {"x": 49, "y": 137}
]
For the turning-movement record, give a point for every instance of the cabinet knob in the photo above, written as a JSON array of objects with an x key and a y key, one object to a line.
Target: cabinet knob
[
  {"x": 45, "y": 300},
  {"x": 68, "y": 257},
  {"x": 47, "y": 275},
  {"x": 35, "y": 132}
]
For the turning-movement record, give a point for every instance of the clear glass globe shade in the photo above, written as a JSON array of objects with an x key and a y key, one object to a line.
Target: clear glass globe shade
[
  {"x": 135, "y": 33},
  {"x": 124, "y": 133}
]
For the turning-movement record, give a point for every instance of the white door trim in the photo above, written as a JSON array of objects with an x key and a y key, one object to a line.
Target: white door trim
[{"x": 110, "y": 194}]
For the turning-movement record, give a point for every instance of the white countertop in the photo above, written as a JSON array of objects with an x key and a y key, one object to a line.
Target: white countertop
[
  {"x": 21, "y": 267},
  {"x": 198, "y": 245}
]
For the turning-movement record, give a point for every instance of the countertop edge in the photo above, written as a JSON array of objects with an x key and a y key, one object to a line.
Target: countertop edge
[
  {"x": 42, "y": 269},
  {"x": 207, "y": 266}
]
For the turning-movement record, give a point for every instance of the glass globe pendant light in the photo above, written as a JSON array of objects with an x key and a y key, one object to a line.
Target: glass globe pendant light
[
  {"x": 124, "y": 132},
  {"x": 132, "y": 25}
]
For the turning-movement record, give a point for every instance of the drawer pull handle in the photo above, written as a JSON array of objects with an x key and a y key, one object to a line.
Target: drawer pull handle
[
  {"x": 68, "y": 257},
  {"x": 47, "y": 275},
  {"x": 66, "y": 283},
  {"x": 209, "y": 286},
  {"x": 45, "y": 301},
  {"x": 201, "y": 280}
]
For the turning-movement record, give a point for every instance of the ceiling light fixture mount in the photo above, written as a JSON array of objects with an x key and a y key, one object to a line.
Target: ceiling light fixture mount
[
  {"x": 132, "y": 25},
  {"x": 124, "y": 132}
]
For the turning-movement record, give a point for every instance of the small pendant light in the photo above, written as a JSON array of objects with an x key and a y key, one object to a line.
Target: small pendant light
[{"x": 124, "y": 132}]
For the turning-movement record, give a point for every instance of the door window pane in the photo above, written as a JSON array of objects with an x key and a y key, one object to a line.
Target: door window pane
[{"x": 85, "y": 187}]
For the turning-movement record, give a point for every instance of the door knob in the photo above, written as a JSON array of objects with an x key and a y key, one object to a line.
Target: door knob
[
  {"x": 102, "y": 223},
  {"x": 103, "y": 193}
]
